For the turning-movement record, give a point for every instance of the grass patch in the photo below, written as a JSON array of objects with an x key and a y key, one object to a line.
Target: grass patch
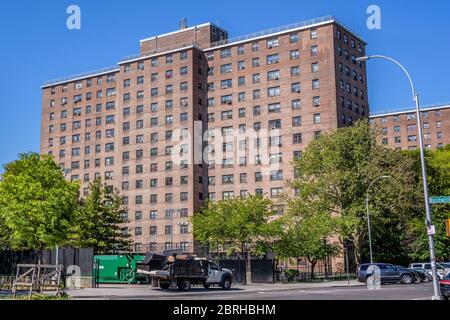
[{"x": 36, "y": 296}]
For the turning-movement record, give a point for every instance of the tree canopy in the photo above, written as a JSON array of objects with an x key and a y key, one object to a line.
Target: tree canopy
[
  {"x": 36, "y": 203},
  {"x": 98, "y": 219},
  {"x": 233, "y": 223},
  {"x": 335, "y": 171},
  {"x": 438, "y": 174}
]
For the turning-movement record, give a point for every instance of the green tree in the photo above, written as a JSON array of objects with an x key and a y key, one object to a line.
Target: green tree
[
  {"x": 334, "y": 173},
  {"x": 4, "y": 234},
  {"x": 37, "y": 204},
  {"x": 306, "y": 231},
  {"x": 238, "y": 224},
  {"x": 438, "y": 174},
  {"x": 98, "y": 220}
]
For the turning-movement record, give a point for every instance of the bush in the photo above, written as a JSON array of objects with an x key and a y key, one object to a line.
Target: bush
[{"x": 291, "y": 274}]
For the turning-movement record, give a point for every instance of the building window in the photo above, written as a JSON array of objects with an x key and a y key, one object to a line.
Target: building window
[
  {"x": 316, "y": 101},
  {"x": 295, "y": 71},
  {"x": 315, "y": 84},
  {"x": 273, "y": 75},
  {"x": 274, "y": 91},
  {"x": 225, "y": 53},
  {"x": 225, "y": 68},
  {"x": 276, "y": 192},
  {"x": 295, "y": 87},
  {"x": 297, "y": 138},
  {"x": 272, "y": 43},
  {"x": 296, "y": 121},
  {"x": 228, "y": 99},
  {"x": 316, "y": 118},
  {"x": 314, "y": 50},
  {"x": 274, "y": 108},
  {"x": 293, "y": 37},
  {"x": 295, "y": 54},
  {"x": 275, "y": 124},
  {"x": 273, "y": 58}
]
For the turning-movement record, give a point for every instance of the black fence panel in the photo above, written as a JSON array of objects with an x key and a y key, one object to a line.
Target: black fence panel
[
  {"x": 262, "y": 269},
  {"x": 236, "y": 266},
  {"x": 83, "y": 258}
]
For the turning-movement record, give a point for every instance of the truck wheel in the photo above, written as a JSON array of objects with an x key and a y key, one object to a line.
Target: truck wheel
[
  {"x": 206, "y": 285},
  {"x": 226, "y": 283},
  {"x": 164, "y": 285},
  {"x": 184, "y": 285}
]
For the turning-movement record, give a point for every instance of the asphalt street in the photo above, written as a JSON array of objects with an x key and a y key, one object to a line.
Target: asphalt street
[{"x": 287, "y": 292}]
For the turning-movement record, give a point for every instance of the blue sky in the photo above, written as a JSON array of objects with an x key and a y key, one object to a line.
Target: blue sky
[{"x": 36, "y": 46}]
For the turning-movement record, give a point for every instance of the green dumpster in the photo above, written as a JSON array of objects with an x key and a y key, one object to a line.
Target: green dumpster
[{"x": 118, "y": 269}]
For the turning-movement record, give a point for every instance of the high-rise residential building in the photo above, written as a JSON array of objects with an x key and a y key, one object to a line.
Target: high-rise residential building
[
  {"x": 399, "y": 128},
  {"x": 196, "y": 115}
]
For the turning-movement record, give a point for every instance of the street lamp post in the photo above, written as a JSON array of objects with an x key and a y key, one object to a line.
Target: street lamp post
[
  {"x": 369, "y": 227},
  {"x": 437, "y": 294}
]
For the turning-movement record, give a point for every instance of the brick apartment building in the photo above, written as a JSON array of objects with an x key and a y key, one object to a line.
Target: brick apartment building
[
  {"x": 399, "y": 128},
  {"x": 257, "y": 100}
]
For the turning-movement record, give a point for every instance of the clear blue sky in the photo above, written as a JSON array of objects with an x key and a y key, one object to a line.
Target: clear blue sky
[{"x": 35, "y": 46}]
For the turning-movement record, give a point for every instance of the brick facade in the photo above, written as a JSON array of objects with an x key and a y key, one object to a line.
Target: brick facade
[
  {"x": 399, "y": 129},
  {"x": 279, "y": 89}
]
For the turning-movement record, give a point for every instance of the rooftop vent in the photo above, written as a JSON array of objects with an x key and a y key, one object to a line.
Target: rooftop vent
[{"x": 183, "y": 23}]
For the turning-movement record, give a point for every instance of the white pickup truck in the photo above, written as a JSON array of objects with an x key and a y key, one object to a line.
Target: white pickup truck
[{"x": 186, "y": 271}]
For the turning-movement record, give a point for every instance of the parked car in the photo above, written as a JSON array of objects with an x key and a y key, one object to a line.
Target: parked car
[
  {"x": 425, "y": 275},
  {"x": 388, "y": 273},
  {"x": 418, "y": 276},
  {"x": 442, "y": 270},
  {"x": 445, "y": 287}
]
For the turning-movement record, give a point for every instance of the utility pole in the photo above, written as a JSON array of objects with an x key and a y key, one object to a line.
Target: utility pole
[{"x": 428, "y": 221}]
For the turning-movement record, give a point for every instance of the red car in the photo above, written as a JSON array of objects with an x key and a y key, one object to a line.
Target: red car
[{"x": 445, "y": 287}]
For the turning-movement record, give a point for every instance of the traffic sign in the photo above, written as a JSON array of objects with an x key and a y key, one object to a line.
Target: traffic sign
[{"x": 442, "y": 199}]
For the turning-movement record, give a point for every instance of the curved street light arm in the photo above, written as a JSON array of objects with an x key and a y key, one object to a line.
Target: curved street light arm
[{"x": 414, "y": 93}]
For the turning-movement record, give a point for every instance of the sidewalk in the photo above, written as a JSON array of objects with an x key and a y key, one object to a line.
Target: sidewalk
[
  {"x": 301, "y": 285},
  {"x": 129, "y": 291}
]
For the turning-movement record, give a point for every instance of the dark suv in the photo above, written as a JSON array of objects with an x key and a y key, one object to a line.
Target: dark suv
[{"x": 388, "y": 273}]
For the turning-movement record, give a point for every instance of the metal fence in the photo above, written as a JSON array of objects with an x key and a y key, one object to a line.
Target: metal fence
[{"x": 83, "y": 258}]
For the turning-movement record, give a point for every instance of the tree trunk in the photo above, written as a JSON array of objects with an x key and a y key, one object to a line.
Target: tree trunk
[
  {"x": 248, "y": 271},
  {"x": 356, "y": 250},
  {"x": 313, "y": 265},
  {"x": 240, "y": 257}
]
